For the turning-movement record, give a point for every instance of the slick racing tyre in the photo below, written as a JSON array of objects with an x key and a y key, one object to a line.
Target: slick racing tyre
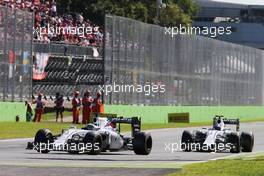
[
  {"x": 42, "y": 139},
  {"x": 95, "y": 141},
  {"x": 142, "y": 143},
  {"x": 186, "y": 141},
  {"x": 247, "y": 142},
  {"x": 234, "y": 140},
  {"x": 198, "y": 139}
]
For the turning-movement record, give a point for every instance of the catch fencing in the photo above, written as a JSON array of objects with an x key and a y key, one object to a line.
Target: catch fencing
[
  {"x": 194, "y": 70},
  {"x": 15, "y": 54}
]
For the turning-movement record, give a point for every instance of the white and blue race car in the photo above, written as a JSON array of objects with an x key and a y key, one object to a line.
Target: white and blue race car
[
  {"x": 219, "y": 138},
  {"x": 93, "y": 139}
]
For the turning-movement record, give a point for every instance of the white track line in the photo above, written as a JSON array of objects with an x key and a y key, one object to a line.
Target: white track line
[{"x": 16, "y": 140}]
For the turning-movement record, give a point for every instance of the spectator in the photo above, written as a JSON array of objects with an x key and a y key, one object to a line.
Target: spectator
[
  {"x": 39, "y": 108},
  {"x": 59, "y": 106},
  {"x": 46, "y": 16},
  {"x": 29, "y": 111},
  {"x": 53, "y": 9}
]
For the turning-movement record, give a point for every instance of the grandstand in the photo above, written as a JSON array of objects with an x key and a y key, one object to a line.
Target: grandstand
[
  {"x": 62, "y": 76},
  {"x": 61, "y": 63},
  {"x": 47, "y": 17}
]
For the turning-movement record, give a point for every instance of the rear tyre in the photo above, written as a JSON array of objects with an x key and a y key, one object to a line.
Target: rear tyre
[
  {"x": 247, "y": 141},
  {"x": 234, "y": 140},
  {"x": 93, "y": 140},
  {"x": 42, "y": 139},
  {"x": 186, "y": 141},
  {"x": 142, "y": 143}
]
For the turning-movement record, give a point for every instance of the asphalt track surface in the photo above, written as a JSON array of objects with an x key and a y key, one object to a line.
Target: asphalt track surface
[{"x": 15, "y": 160}]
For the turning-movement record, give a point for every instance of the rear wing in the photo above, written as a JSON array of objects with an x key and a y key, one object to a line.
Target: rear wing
[
  {"x": 134, "y": 121},
  {"x": 228, "y": 121}
]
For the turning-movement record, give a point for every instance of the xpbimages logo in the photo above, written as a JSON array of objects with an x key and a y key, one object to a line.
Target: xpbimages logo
[
  {"x": 147, "y": 89},
  {"x": 80, "y": 147},
  {"x": 69, "y": 30},
  {"x": 213, "y": 31},
  {"x": 175, "y": 147}
]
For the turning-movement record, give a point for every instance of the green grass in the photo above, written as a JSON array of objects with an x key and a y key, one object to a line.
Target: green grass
[
  {"x": 235, "y": 167},
  {"x": 174, "y": 125},
  {"x": 10, "y": 130},
  {"x": 52, "y": 115},
  {"x": 252, "y": 120},
  {"x": 23, "y": 129}
]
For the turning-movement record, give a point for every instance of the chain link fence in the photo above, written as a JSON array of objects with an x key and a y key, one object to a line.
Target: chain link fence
[
  {"x": 15, "y": 54},
  {"x": 194, "y": 70}
]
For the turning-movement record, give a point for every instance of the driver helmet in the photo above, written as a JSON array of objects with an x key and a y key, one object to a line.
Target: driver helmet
[{"x": 219, "y": 124}]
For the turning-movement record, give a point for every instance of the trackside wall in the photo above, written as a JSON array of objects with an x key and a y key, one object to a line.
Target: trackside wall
[
  {"x": 9, "y": 110},
  {"x": 152, "y": 114}
]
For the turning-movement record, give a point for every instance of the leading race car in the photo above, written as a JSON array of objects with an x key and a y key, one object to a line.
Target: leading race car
[
  {"x": 219, "y": 138},
  {"x": 93, "y": 139}
]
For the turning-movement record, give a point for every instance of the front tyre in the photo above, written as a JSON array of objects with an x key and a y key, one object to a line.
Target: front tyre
[
  {"x": 186, "y": 141},
  {"x": 42, "y": 139},
  {"x": 142, "y": 143},
  {"x": 94, "y": 140}
]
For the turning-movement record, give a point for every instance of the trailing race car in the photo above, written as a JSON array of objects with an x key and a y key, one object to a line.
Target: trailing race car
[
  {"x": 93, "y": 139},
  {"x": 219, "y": 138}
]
